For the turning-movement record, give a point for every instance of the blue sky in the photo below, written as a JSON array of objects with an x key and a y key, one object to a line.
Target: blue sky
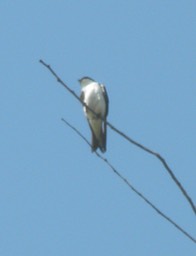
[{"x": 56, "y": 197}]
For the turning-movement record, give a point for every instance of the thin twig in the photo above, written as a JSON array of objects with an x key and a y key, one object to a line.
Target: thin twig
[
  {"x": 131, "y": 186},
  {"x": 157, "y": 155},
  {"x": 162, "y": 160}
]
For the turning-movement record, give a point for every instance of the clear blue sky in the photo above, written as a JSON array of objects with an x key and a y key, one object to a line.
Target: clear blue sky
[{"x": 56, "y": 197}]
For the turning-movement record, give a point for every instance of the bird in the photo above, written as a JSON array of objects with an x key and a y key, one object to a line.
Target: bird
[{"x": 95, "y": 98}]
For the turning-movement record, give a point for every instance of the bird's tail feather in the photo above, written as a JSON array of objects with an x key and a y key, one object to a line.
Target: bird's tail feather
[
  {"x": 98, "y": 143},
  {"x": 94, "y": 143}
]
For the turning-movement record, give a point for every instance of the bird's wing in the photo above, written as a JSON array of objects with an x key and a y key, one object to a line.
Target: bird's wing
[
  {"x": 105, "y": 95},
  {"x": 82, "y": 96}
]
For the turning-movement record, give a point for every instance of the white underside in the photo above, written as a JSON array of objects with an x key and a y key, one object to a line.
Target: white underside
[{"x": 93, "y": 97}]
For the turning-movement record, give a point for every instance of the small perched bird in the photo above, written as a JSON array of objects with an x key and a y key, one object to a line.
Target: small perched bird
[{"x": 94, "y": 95}]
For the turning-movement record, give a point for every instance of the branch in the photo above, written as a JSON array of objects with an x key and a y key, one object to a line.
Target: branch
[
  {"x": 162, "y": 160},
  {"x": 157, "y": 155},
  {"x": 131, "y": 186}
]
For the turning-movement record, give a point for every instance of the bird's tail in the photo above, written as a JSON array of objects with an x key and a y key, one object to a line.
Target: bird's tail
[{"x": 101, "y": 141}]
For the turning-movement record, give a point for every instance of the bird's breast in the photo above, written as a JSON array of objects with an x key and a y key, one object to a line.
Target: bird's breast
[{"x": 94, "y": 99}]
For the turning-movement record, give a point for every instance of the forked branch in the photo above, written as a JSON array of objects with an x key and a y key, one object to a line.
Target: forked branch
[{"x": 157, "y": 155}]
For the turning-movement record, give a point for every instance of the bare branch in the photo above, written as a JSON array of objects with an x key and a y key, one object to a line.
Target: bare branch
[
  {"x": 131, "y": 186},
  {"x": 157, "y": 155},
  {"x": 162, "y": 160}
]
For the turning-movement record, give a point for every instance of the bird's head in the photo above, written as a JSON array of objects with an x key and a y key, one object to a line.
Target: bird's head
[{"x": 84, "y": 81}]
